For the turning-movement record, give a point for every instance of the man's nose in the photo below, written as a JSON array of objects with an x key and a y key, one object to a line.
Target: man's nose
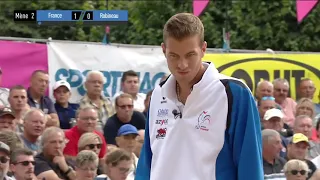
[{"x": 182, "y": 64}]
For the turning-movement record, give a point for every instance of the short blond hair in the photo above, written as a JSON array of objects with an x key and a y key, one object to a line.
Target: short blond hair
[
  {"x": 295, "y": 164},
  {"x": 309, "y": 103},
  {"x": 86, "y": 139},
  {"x": 87, "y": 157},
  {"x": 183, "y": 25}
]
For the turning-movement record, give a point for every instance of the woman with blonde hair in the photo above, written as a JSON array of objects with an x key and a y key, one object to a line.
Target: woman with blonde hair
[
  {"x": 296, "y": 170},
  {"x": 305, "y": 106},
  {"x": 118, "y": 165},
  {"x": 86, "y": 165}
]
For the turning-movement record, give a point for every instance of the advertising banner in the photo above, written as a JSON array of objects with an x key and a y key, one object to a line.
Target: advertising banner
[
  {"x": 72, "y": 61},
  {"x": 252, "y": 68},
  {"x": 19, "y": 59}
]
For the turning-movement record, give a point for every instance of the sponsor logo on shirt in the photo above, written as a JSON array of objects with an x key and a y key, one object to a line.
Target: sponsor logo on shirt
[
  {"x": 163, "y": 112},
  {"x": 162, "y": 121},
  {"x": 164, "y": 100},
  {"x": 161, "y": 133},
  {"x": 203, "y": 121}
]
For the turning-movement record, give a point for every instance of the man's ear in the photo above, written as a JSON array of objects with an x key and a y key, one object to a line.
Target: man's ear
[
  {"x": 163, "y": 48},
  {"x": 117, "y": 140}
]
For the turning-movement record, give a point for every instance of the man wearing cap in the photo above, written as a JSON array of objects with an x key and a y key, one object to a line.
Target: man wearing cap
[
  {"x": 4, "y": 161},
  {"x": 4, "y": 93},
  {"x": 7, "y": 119},
  {"x": 66, "y": 110},
  {"x": 297, "y": 149},
  {"x": 126, "y": 139}
]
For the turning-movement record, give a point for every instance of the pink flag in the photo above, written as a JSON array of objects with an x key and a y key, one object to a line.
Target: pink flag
[
  {"x": 304, "y": 7},
  {"x": 199, "y": 6}
]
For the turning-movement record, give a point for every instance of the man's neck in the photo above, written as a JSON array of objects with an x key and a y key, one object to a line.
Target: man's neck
[
  {"x": 18, "y": 113},
  {"x": 32, "y": 139},
  {"x": 64, "y": 105},
  {"x": 93, "y": 97},
  {"x": 35, "y": 96},
  {"x": 268, "y": 159}
]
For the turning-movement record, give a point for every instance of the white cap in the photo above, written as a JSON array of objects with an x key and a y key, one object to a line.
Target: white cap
[
  {"x": 61, "y": 83},
  {"x": 273, "y": 113}
]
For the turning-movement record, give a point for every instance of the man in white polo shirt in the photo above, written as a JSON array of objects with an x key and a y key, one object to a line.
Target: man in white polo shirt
[{"x": 202, "y": 125}]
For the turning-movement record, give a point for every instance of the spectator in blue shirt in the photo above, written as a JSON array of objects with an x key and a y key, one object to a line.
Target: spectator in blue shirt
[{"x": 66, "y": 110}]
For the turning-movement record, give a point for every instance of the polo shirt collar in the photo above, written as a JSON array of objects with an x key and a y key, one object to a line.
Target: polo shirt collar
[{"x": 30, "y": 97}]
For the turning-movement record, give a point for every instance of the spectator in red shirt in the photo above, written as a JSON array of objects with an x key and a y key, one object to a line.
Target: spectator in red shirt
[{"x": 87, "y": 117}]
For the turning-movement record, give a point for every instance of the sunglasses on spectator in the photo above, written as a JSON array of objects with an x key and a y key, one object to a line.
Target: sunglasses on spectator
[
  {"x": 4, "y": 159},
  {"x": 26, "y": 163},
  {"x": 267, "y": 98},
  {"x": 92, "y": 146},
  {"x": 295, "y": 172}
]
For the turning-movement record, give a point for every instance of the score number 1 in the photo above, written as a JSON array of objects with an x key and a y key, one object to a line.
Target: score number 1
[{"x": 76, "y": 15}]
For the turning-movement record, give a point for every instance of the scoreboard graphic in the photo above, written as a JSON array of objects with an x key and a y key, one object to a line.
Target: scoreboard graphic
[{"x": 72, "y": 17}]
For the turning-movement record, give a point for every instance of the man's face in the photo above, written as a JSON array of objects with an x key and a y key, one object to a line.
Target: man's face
[
  {"x": 298, "y": 150},
  {"x": 88, "y": 171},
  {"x": 131, "y": 85},
  {"x": 273, "y": 146},
  {"x": 39, "y": 83},
  {"x": 307, "y": 89},
  {"x": 24, "y": 167},
  {"x": 124, "y": 109},
  {"x": 4, "y": 166},
  {"x": 35, "y": 124},
  {"x": 184, "y": 57},
  {"x": 7, "y": 123},
  {"x": 18, "y": 99},
  {"x": 265, "y": 106},
  {"x": 94, "y": 84},
  {"x": 274, "y": 123},
  {"x": 127, "y": 142},
  {"x": 281, "y": 91},
  {"x": 304, "y": 126},
  {"x": 55, "y": 144},
  {"x": 264, "y": 89},
  {"x": 62, "y": 95},
  {"x": 87, "y": 120}
]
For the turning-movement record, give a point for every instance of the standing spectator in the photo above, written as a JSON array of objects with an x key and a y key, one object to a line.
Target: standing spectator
[
  {"x": 50, "y": 163},
  {"x": 66, "y": 110},
  {"x": 272, "y": 162},
  {"x": 34, "y": 125},
  {"x": 18, "y": 103},
  {"x": 125, "y": 115},
  {"x": 130, "y": 84},
  {"x": 288, "y": 105},
  {"x": 146, "y": 103},
  {"x": 87, "y": 117},
  {"x": 22, "y": 164},
  {"x": 38, "y": 99},
  {"x": 4, "y": 159},
  {"x": 264, "y": 89},
  {"x": 94, "y": 86},
  {"x": 86, "y": 165},
  {"x": 4, "y": 94},
  {"x": 7, "y": 119}
]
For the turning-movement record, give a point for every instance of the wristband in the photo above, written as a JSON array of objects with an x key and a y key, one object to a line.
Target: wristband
[{"x": 68, "y": 171}]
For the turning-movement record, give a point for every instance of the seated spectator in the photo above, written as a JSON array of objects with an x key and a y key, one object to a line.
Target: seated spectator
[
  {"x": 94, "y": 86},
  {"x": 140, "y": 141},
  {"x": 50, "y": 163},
  {"x": 264, "y": 104},
  {"x": 22, "y": 164},
  {"x": 146, "y": 104},
  {"x": 125, "y": 115},
  {"x": 11, "y": 139},
  {"x": 296, "y": 169},
  {"x": 272, "y": 162},
  {"x": 317, "y": 106},
  {"x": 86, "y": 165},
  {"x": 118, "y": 165},
  {"x": 92, "y": 142},
  {"x": 7, "y": 119},
  {"x": 130, "y": 84},
  {"x": 4, "y": 93},
  {"x": 87, "y": 117},
  {"x": 4, "y": 159},
  {"x": 264, "y": 89},
  {"x": 297, "y": 149},
  {"x": 34, "y": 125},
  {"x": 66, "y": 110},
  {"x": 126, "y": 139},
  {"x": 305, "y": 107},
  {"x": 37, "y": 98},
  {"x": 18, "y": 104}
]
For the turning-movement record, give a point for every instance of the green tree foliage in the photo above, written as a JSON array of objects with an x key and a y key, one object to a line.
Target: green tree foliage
[{"x": 252, "y": 24}]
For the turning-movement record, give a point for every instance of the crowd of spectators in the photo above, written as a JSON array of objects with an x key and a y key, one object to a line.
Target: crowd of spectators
[{"x": 101, "y": 137}]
